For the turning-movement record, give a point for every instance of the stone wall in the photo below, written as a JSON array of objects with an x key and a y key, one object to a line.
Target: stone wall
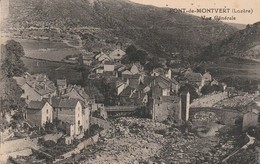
[
  {"x": 90, "y": 141},
  {"x": 84, "y": 144}
]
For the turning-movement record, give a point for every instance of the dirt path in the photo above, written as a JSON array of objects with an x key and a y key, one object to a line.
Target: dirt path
[{"x": 250, "y": 142}]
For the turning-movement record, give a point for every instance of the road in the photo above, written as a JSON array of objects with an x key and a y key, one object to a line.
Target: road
[{"x": 250, "y": 142}]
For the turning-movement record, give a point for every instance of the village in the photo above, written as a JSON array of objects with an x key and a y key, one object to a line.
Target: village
[{"x": 62, "y": 121}]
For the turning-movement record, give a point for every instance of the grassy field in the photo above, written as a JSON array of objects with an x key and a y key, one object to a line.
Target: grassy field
[
  {"x": 54, "y": 51},
  {"x": 54, "y": 70}
]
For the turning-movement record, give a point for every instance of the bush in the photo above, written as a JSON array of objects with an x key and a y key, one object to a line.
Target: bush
[
  {"x": 93, "y": 130},
  {"x": 49, "y": 143}
]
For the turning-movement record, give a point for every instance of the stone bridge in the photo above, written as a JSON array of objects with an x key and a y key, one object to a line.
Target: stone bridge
[
  {"x": 227, "y": 116},
  {"x": 120, "y": 108}
]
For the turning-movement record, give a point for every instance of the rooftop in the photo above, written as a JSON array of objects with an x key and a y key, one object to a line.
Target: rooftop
[{"x": 38, "y": 105}]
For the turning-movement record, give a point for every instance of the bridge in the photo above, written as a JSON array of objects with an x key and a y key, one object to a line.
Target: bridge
[
  {"x": 121, "y": 108},
  {"x": 227, "y": 116}
]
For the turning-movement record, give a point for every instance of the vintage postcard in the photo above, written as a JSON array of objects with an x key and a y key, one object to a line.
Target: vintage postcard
[{"x": 129, "y": 81}]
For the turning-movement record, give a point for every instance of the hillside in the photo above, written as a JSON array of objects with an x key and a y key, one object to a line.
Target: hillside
[
  {"x": 243, "y": 44},
  {"x": 158, "y": 30},
  {"x": 237, "y": 25}
]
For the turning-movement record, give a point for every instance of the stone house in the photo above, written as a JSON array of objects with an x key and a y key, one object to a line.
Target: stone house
[
  {"x": 132, "y": 96},
  {"x": 38, "y": 113},
  {"x": 62, "y": 85},
  {"x": 162, "y": 71},
  {"x": 78, "y": 92},
  {"x": 163, "y": 107},
  {"x": 195, "y": 78},
  {"x": 133, "y": 80},
  {"x": 117, "y": 55},
  {"x": 162, "y": 81},
  {"x": 250, "y": 119},
  {"x": 214, "y": 82},
  {"x": 87, "y": 60},
  {"x": 37, "y": 87},
  {"x": 121, "y": 85},
  {"x": 109, "y": 66},
  {"x": 126, "y": 72},
  {"x": 257, "y": 101},
  {"x": 136, "y": 68},
  {"x": 72, "y": 114},
  {"x": 119, "y": 68},
  {"x": 206, "y": 77},
  {"x": 99, "y": 69},
  {"x": 101, "y": 58}
]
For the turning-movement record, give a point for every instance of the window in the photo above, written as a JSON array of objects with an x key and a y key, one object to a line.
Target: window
[
  {"x": 47, "y": 111},
  {"x": 60, "y": 109},
  {"x": 47, "y": 118}
]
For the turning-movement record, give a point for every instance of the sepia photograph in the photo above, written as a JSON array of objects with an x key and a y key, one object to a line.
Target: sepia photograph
[{"x": 129, "y": 82}]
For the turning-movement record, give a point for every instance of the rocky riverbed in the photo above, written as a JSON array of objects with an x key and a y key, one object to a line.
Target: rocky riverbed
[{"x": 135, "y": 140}]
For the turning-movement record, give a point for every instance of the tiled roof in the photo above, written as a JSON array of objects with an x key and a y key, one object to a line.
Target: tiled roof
[
  {"x": 148, "y": 80},
  {"x": 134, "y": 83},
  {"x": 78, "y": 89},
  {"x": 109, "y": 63},
  {"x": 36, "y": 104},
  {"x": 194, "y": 77},
  {"x": 126, "y": 92},
  {"x": 136, "y": 76},
  {"x": 68, "y": 103},
  {"x": 20, "y": 80},
  {"x": 164, "y": 85},
  {"x": 117, "y": 52},
  {"x": 41, "y": 84}
]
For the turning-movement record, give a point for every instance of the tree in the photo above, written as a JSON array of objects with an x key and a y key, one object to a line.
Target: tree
[
  {"x": 191, "y": 89},
  {"x": 12, "y": 64},
  {"x": 10, "y": 94},
  {"x": 207, "y": 89},
  {"x": 135, "y": 55},
  {"x": 152, "y": 64}
]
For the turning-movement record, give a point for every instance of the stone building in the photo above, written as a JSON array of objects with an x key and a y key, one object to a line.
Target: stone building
[
  {"x": 72, "y": 114},
  {"x": 38, "y": 113},
  {"x": 250, "y": 119}
]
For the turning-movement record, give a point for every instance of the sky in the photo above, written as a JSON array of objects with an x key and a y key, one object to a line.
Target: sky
[{"x": 243, "y": 18}]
